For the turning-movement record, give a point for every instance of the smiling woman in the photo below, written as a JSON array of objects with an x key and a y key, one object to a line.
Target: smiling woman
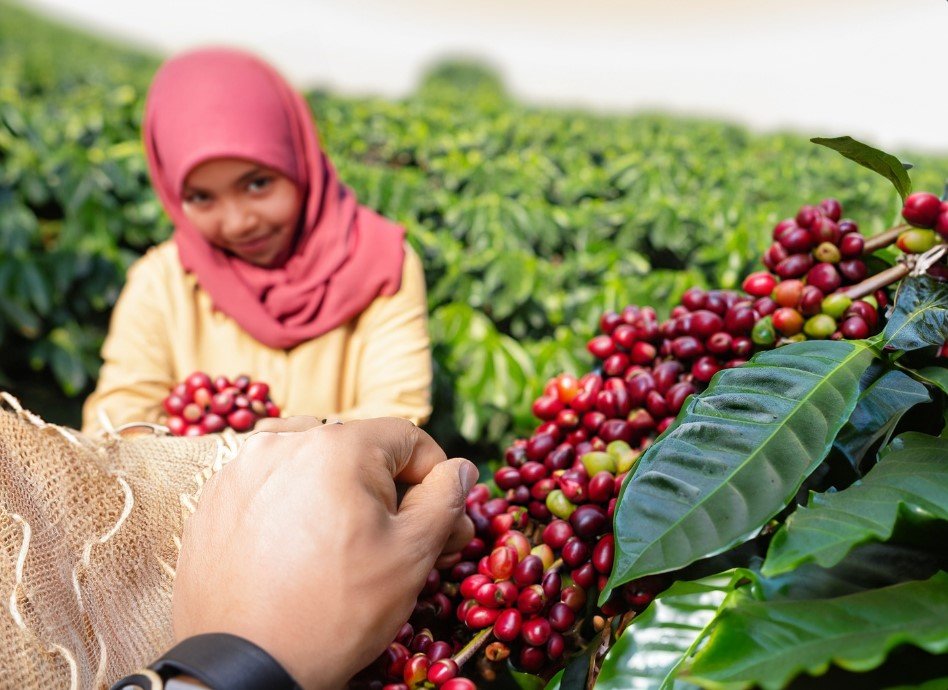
[
  {"x": 241, "y": 207},
  {"x": 274, "y": 269}
]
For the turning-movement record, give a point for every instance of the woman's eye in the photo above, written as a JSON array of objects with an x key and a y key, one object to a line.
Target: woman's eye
[
  {"x": 259, "y": 184},
  {"x": 196, "y": 198}
]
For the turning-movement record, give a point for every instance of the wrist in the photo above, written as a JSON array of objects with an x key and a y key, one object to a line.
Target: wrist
[{"x": 215, "y": 660}]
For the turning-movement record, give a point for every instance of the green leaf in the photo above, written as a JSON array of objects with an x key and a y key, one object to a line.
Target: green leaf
[
  {"x": 525, "y": 681},
  {"x": 934, "y": 376},
  {"x": 735, "y": 456},
  {"x": 878, "y": 161},
  {"x": 920, "y": 318},
  {"x": 661, "y": 638},
  {"x": 768, "y": 643},
  {"x": 880, "y": 407},
  {"x": 867, "y": 566},
  {"x": 912, "y": 478}
]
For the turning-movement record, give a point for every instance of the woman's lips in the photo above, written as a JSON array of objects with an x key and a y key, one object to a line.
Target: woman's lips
[{"x": 253, "y": 246}]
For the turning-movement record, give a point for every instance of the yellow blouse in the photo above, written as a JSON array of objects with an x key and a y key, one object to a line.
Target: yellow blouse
[{"x": 164, "y": 328}]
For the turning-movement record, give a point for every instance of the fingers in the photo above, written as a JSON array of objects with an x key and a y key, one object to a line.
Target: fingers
[
  {"x": 279, "y": 424},
  {"x": 432, "y": 513},
  {"x": 408, "y": 452},
  {"x": 461, "y": 534}
]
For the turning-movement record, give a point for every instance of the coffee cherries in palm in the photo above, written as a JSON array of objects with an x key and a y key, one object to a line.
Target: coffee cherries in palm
[{"x": 201, "y": 405}]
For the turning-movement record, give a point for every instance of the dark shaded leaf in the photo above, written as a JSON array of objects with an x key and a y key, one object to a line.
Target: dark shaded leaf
[
  {"x": 881, "y": 405},
  {"x": 661, "y": 638},
  {"x": 920, "y": 318},
  {"x": 768, "y": 643},
  {"x": 912, "y": 478}
]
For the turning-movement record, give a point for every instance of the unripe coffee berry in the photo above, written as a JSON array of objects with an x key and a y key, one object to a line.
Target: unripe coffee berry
[{"x": 820, "y": 326}]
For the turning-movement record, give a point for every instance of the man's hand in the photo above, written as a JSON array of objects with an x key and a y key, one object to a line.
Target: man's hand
[{"x": 300, "y": 546}]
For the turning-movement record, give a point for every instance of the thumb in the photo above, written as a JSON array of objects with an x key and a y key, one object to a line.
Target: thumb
[{"x": 429, "y": 511}]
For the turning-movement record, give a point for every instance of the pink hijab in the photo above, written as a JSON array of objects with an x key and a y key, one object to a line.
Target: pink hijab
[{"x": 217, "y": 103}]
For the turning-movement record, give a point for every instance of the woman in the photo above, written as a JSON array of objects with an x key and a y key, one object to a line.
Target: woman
[{"x": 274, "y": 270}]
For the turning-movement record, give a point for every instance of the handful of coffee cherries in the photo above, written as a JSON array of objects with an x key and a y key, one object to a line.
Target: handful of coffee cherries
[{"x": 201, "y": 405}]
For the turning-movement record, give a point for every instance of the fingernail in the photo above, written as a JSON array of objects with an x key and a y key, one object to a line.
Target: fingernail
[{"x": 468, "y": 474}]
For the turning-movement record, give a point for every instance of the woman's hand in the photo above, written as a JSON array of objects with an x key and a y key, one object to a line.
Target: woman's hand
[{"x": 300, "y": 545}]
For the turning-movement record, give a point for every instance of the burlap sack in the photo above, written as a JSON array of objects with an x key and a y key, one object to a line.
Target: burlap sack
[{"x": 90, "y": 532}]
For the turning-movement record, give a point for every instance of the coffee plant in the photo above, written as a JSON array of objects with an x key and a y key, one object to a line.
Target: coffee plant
[{"x": 644, "y": 535}]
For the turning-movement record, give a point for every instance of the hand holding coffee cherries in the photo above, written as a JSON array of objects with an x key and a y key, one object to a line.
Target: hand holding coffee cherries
[
  {"x": 201, "y": 405},
  {"x": 301, "y": 546}
]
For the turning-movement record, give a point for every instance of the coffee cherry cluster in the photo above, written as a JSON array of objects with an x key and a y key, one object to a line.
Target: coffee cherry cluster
[
  {"x": 525, "y": 587},
  {"x": 814, "y": 257},
  {"x": 929, "y": 216},
  {"x": 414, "y": 660},
  {"x": 201, "y": 405}
]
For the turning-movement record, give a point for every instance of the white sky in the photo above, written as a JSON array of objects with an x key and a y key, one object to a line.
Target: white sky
[{"x": 873, "y": 69}]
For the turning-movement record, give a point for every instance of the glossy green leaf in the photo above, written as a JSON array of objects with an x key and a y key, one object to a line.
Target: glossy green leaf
[
  {"x": 934, "y": 376},
  {"x": 881, "y": 405},
  {"x": 912, "y": 478},
  {"x": 867, "y": 566},
  {"x": 525, "y": 681},
  {"x": 735, "y": 456},
  {"x": 920, "y": 317},
  {"x": 878, "y": 161},
  {"x": 768, "y": 643},
  {"x": 650, "y": 651}
]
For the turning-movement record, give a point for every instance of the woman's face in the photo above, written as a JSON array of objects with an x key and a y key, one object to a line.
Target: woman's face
[{"x": 243, "y": 207}]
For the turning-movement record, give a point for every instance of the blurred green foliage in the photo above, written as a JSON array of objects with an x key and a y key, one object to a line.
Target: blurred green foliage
[{"x": 530, "y": 222}]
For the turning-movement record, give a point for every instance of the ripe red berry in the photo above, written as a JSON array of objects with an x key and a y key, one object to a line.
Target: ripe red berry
[
  {"x": 241, "y": 420},
  {"x": 759, "y": 284},
  {"x": 921, "y": 209},
  {"x": 603, "y": 554},
  {"x": 797, "y": 241},
  {"x": 459, "y": 684},
  {"x": 704, "y": 369},
  {"x": 508, "y": 624},
  {"x": 853, "y": 270},
  {"x": 214, "y": 423},
  {"x": 174, "y": 404},
  {"x": 177, "y": 425},
  {"x": 415, "y": 670},
  {"x": 825, "y": 277},
  {"x": 601, "y": 346},
  {"x": 794, "y": 266},
  {"x": 197, "y": 380},
  {"x": 852, "y": 245},
  {"x": 442, "y": 670},
  {"x": 854, "y": 328},
  {"x": 831, "y": 208},
  {"x": 589, "y": 521}
]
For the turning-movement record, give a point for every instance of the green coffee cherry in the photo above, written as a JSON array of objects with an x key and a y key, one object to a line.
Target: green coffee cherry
[
  {"x": 835, "y": 305},
  {"x": 916, "y": 241},
  {"x": 820, "y": 326},
  {"x": 763, "y": 332},
  {"x": 624, "y": 456},
  {"x": 559, "y": 505},
  {"x": 596, "y": 461}
]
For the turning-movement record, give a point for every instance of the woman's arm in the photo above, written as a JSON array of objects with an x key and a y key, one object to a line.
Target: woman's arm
[
  {"x": 137, "y": 368},
  {"x": 394, "y": 365}
]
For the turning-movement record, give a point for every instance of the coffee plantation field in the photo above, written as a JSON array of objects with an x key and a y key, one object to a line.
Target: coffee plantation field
[{"x": 530, "y": 222}]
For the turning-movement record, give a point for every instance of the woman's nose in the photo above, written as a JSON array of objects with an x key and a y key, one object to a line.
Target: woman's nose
[{"x": 237, "y": 219}]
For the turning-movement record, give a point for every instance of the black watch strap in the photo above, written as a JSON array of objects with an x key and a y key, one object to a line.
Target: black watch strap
[{"x": 220, "y": 661}]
